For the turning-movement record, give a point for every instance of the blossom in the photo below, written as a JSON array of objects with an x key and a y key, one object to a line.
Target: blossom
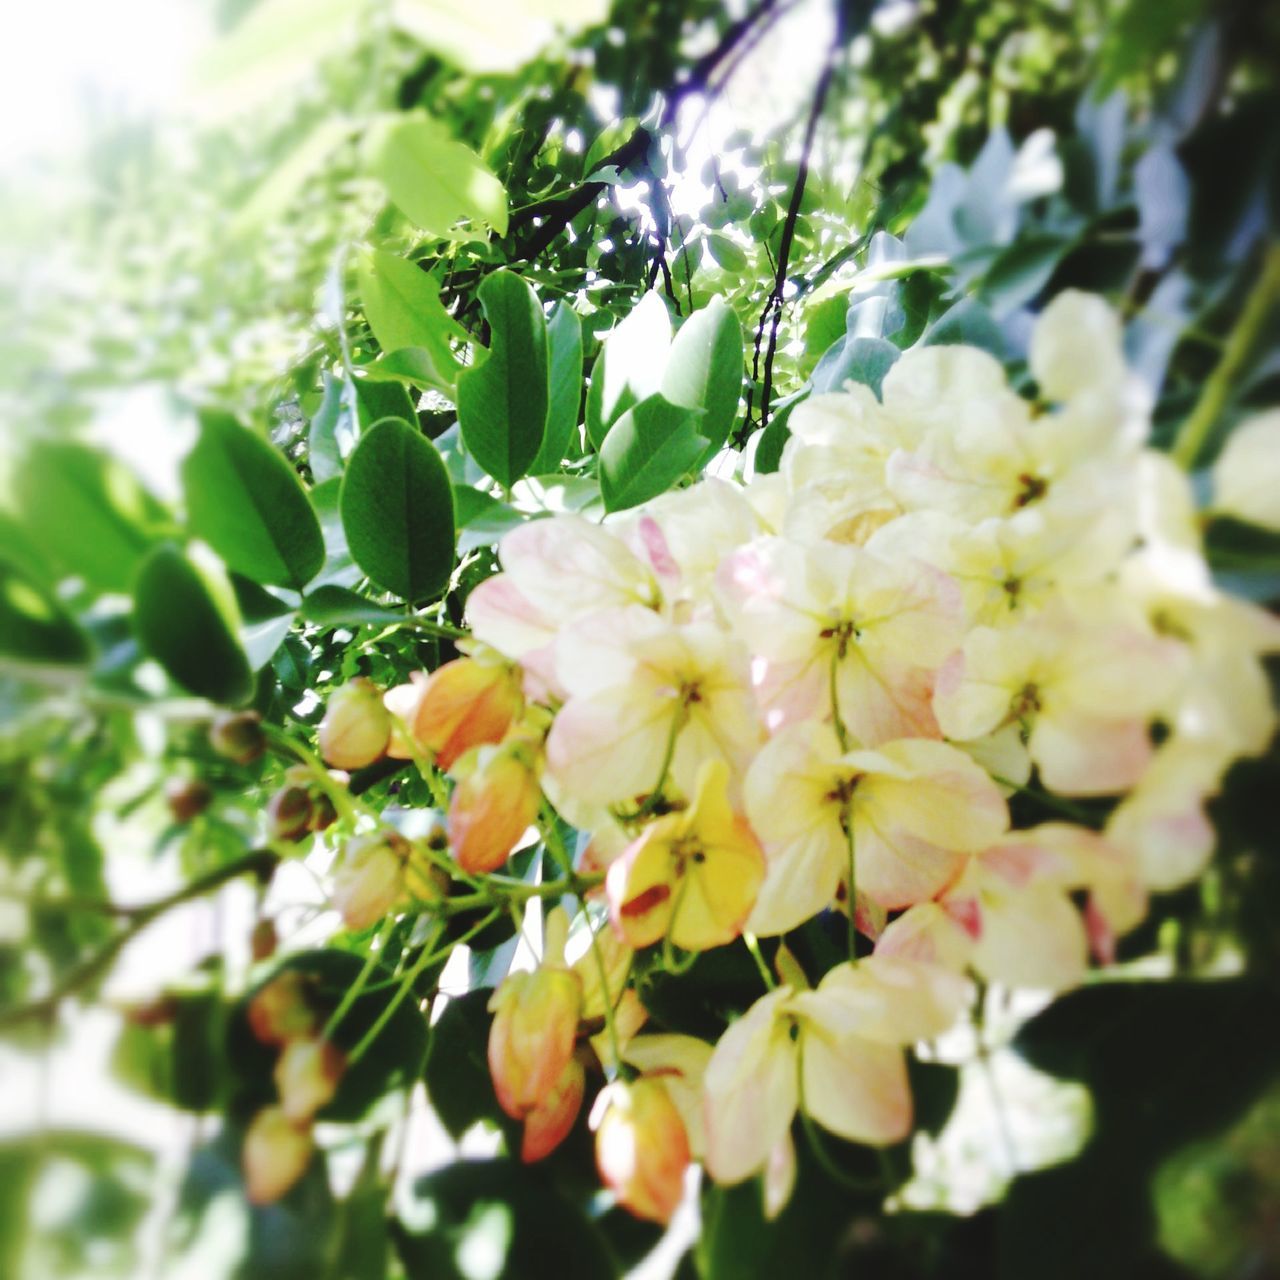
[
  {"x": 1083, "y": 696},
  {"x": 548, "y": 1122},
  {"x": 881, "y": 627},
  {"x": 1246, "y": 476},
  {"x": 912, "y": 809},
  {"x": 680, "y": 1062},
  {"x": 651, "y": 703},
  {"x": 378, "y": 873},
  {"x": 276, "y": 1154},
  {"x": 691, "y": 875},
  {"x": 307, "y": 1075},
  {"x": 835, "y": 1052},
  {"x": 494, "y": 804}
]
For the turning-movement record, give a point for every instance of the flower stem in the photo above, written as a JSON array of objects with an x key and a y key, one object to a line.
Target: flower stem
[{"x": 753, "y": 945}]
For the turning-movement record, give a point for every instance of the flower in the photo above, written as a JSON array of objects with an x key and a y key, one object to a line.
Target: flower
[
  {"x": 913, "y": 810},
  {"x": 1246, "y": 476},
  {"x": 379, "y": 873},
  {"x": 494, "y": 804},
  {"x": 307, "y": 1075},
  {"x": 836, "y": 1053},
  {"x": 691, "y": 875},
  {"x": 276, "y": 1154}
]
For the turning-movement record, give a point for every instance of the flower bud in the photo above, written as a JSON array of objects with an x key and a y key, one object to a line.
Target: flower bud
[
  {"x": 276, "y": 1154},
  {"x": 280, "y": 1010},
  {"x": 263, "y": 940},
  {"x": 289, "y": 813},
  {"x": 370, "y": 880},
  {"x": 307, "y": 1075},
  {"x": 492, "y": 807},
  {"x": 187, "y": 798},
  {"x": 548, "y": 1124},
  {"x": 463, "y": 704},
  {"x": 642, "y": 1149},
  {"x": 238, "y": 736},
  {"x": 531, "y": 1040},
  {"x": 356, "y": 726}
]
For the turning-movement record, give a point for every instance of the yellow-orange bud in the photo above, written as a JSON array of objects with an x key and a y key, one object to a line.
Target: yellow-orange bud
[
  {"x": 463, "y": 704},
  {"x": 531, "y": 1040},
  {"x": 370, "y": 880},
  {"x": 492, "y": 807},
  {"x": 307, "y": 1075},
  {"x": 642, "y": 1149},
  {"x": 281, "y": 1010},
  {"x": 276, "y": 1154},
  {"x": 356, "y": 726},
  {"x": 548, "y": 1124}
]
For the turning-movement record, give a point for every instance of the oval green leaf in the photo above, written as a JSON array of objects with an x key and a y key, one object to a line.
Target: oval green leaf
[
  {"x": 705, "y": 368},
  {"x": 647, "y": 450},
  {"x": 397, "y": 511},
  {"x": 185, "y": 617},
  {"x": 34, "y": 627},
  {"x": 502, "y": 401},
  {"x": 247, "y": 503}
]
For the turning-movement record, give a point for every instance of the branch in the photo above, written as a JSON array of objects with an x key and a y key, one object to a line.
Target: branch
[
  {"x": 259, "y": 862},
  {"x": 1220, "y": 383}
]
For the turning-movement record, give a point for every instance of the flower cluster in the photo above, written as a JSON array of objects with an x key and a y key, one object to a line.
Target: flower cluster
[{"x": 816, "y": 692}]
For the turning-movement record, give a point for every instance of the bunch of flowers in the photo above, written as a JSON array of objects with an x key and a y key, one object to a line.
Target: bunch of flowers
[{"x": 816, "y": 692}]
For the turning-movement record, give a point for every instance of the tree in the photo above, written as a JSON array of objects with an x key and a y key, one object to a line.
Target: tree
[{"x": 733, "y": 545}]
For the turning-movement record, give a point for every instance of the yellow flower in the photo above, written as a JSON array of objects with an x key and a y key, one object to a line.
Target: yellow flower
[{"x": 691, "y": 876}]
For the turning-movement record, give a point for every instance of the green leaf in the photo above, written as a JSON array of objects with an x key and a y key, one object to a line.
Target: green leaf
[
  {"x": 564, "y": 347},
  {"x": 704, "y": 369},
  {"x": 323, "y": 449},
  {"x": 377, "y": 398},
  {"x": 864, "y": 360},
  {"x": 435, "y": 181},
  {"x": 403, "y": 307},
  {"x": 502, "y": 400},
  {"x": 397, "y": 511},
  {"x": 457, "y": 1071},
  {"x": 413, "y": 365},
  {"x": 649, "y": 448},
  {"x": 630, "y": 365},
  {"x": 34, "y": 627},
  {"x": 247, "y": 503},
  {"x": 87, "y": 513},
  {"x": 186, "y": 618},
  {"x": 334, "y": 606},
  {"x": 726, "y": 252},
  {"x": 1022, "y": 270}
]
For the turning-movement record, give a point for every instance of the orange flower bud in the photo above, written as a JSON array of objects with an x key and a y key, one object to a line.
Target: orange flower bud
[
  {"x": 281, "y": 1010},
  {"x": 642, "y": 1149},
  {"x": 276, "y": 1154},
  {"x": 356, "y": 726},
  {"x": 492, "y": 807},
  {"x": 238, "y": 736},
  {"x": 548, "y": 1124},
  {"x": 307, "y": 1075},
  {"x": 463, "y": 704},
  {"x": 370, "y": 880},
  {"x": 531, "y": 1040},
  {"x": 263, "y": 940}
]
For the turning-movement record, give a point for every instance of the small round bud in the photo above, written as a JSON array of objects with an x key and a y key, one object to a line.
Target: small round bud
[
  {"x": 187, "y": 798},
  {"x": 276, "y": 1154},
  {"x": 307, "y": 1075},
  {"x": 263, "y": 940},
  {"x": 238, "y": 736},
  {"x": 642, "y": 1149},
  {"x": 356, "y": 726},
  {"x": 289, "y": 813},
  {"x": 281, "y": 1011}
]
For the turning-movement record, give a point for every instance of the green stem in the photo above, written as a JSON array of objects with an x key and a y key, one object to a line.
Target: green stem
[
  {"x": 842, "y": 734},
  {"x": 851, "y": 900},
  {"x": 1046, "y": 798},
  {"x": 347, "y": 806},
  {"x": 353, "y": 992},
  {"x": 753, "y": 946},
  {"x": 1224, "y": 379},
  {"x": 259, "y": 862}
]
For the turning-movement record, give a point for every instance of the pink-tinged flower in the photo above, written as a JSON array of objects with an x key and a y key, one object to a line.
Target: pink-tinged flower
[
  {"x": 356, "y": 727},
  {"x": 691, "y": 876},
  {"x": 493, "y": 805},
  {"x": 836, "y": 1052},
  {"x": 881, "y": 627},
  {"x": 379, "y": 873},
  {"x": 650, "y": 704},
  {"x": 549, "y": 1122},
  {"x": 465, "y": 703},
  {"x": 307, "y": 1075},
  {"x": 275, "y": 1155},
  {"x": 914, "y": 809},
  {"x": 534, "y": 1027},
  {"x": 642, "y": 1150},
  {"x": 554, "y": 572},
  {"x": 1083, "y": 697}
]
